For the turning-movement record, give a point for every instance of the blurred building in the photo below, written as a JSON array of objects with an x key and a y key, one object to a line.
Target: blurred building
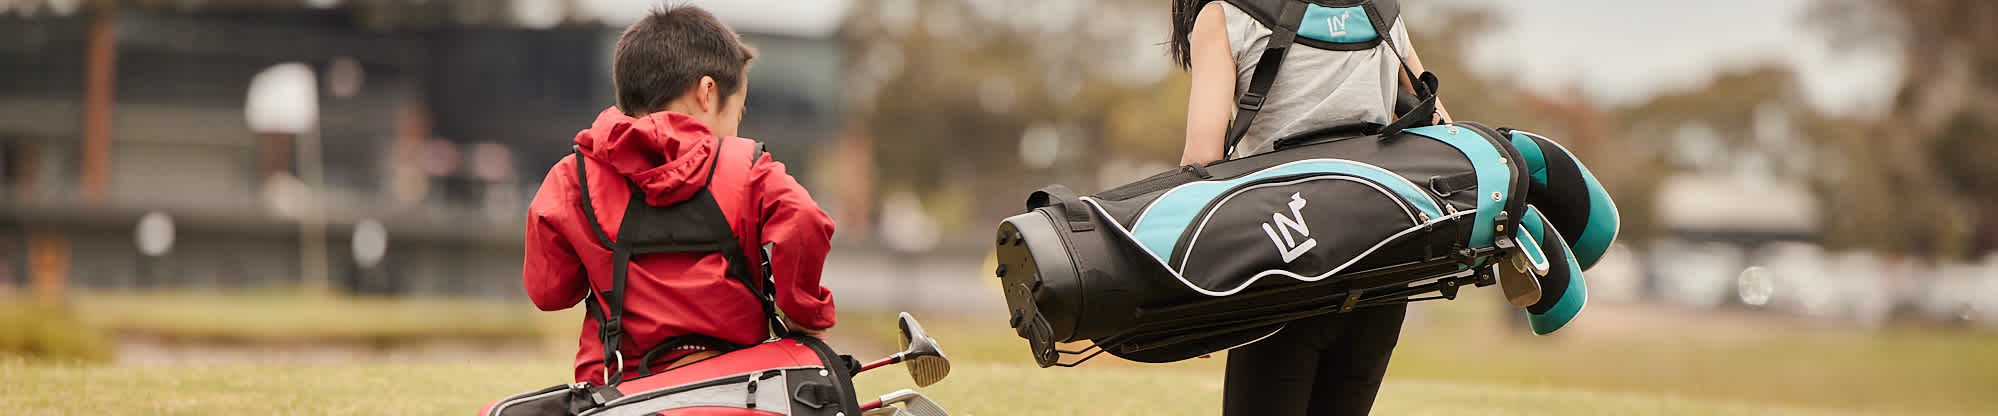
[{"x": 437, "y": 119}]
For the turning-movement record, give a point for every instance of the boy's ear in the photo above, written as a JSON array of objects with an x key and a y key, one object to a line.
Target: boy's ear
[{"x": 708, "y": 95}]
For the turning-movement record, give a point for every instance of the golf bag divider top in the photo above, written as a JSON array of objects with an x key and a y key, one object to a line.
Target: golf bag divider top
[{"x": 1202, "y": 259}]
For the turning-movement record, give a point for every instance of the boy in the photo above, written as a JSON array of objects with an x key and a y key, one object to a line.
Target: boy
[{"x": 680, "y": 76}]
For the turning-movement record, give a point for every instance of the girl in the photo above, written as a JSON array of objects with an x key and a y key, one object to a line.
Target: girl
[{"x": 1341, "y": 72}]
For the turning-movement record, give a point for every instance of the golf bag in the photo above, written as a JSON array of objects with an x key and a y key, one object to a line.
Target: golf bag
[
  {"x": 782, "y": 376},
  {"x": 1207, "y": 258},
  {"x": 791, "y": 376},
  {"x": 1202, "y": 259}
]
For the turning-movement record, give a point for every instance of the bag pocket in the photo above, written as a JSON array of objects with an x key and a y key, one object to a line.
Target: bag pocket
[
  {"x": 560, "y": 399},
  {"x": 1300, "y": 227}
]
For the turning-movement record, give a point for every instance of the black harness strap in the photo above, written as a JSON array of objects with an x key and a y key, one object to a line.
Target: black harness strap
[
  {"x": 1284, "y": 33},
  {"x": 695, "y": 225},
  {"x": 609, "y": 324},
  {"x": 1424, "y": 84},
  {"x": 1251, "y": 101}
]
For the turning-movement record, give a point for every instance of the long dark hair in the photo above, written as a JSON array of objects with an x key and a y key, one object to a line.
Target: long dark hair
[{"x": 1183, "y": 13}]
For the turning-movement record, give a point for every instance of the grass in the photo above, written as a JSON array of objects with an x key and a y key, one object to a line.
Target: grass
[
  {"x": 1453, "y": 359},
  {"x": 32, "y": 329},
  {"x": 977, "y": 389},
  {"x": 284, "y": 316},
  {"x": 1718, "y": 356}
]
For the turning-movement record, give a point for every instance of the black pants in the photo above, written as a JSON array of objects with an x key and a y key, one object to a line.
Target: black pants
[{"x": 1328, "y": 365}]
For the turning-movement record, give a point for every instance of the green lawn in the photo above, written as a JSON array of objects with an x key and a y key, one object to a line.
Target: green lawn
[
  {"x": 1454, "y": 359},
  {"x": 976, "y": 389},
  {"x": 286, "y": 316}
]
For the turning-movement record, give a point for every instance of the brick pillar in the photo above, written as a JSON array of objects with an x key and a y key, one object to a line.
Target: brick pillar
[{"x": 99, "y": 96}]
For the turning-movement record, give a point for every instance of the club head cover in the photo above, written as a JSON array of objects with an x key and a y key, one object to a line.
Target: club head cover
[
  {"x": 1569, "y": 195},
  {"x": 1563, "y": 292}
]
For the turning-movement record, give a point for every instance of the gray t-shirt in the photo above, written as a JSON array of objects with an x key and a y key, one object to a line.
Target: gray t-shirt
[{"x": 1316, "y": 88}]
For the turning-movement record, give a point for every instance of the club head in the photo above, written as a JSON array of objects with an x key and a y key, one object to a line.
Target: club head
[
  {"x": 921, "y": 354},
  {"x": 909, "y": 403},
  {"x": 1519, "y": 285},
  {"x": 884, "y": 410}
]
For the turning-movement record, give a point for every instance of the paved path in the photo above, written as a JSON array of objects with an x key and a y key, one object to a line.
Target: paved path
[{"x": 954, "y": 283}]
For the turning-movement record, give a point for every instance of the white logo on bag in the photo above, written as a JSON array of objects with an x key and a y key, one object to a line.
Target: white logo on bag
[
  {"x": 1338, "y": 27},
  {"x": 1286, "y": 243}
]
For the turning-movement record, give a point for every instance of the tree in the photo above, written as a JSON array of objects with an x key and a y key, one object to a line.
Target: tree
[
  {"x": 946, "y": 90},
  {"x": 1928, "y": 151}
]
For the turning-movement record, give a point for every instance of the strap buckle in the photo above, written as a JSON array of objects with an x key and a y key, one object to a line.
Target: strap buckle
[
  {"x": 619, "y": 356},
  {"x": 1251, "y": 101}
]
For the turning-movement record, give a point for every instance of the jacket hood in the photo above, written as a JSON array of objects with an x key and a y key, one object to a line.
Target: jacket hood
[{"x": 666, "y": 153}]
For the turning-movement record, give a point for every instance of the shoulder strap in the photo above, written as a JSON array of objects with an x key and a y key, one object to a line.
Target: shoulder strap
[
  {"x": 1251, "y": 102},
  {"x": 583, "y": 183},
  {"x": 607, "y": 308},
  {"x": 758, "y": 279},
  {"x": 1381, "y": 14}
]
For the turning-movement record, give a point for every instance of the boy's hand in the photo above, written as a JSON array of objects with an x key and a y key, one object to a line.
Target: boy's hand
[
  {"x": 802, "y": 330},
  {"x": 814, "y": 333}
]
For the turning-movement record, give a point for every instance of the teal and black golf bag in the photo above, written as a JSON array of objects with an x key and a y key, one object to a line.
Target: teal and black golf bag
[{"x": 1206, "y": 258}]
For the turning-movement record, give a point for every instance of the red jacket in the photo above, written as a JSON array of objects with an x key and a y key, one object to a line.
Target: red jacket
[{"x": 669, "y": 294}]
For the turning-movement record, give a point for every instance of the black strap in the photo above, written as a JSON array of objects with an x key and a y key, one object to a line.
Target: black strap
[
  {"x": 611, "y": 327},
  {"x": 1444, "y": 186},
  {"x": 1328, "y": 134},
  {"x": 1424, "y": 84},
  {"x": 1423, "y": 114},
  {"x": 609, "y": 315},
  {"x": 653, "y": 354},
  {"x": 607, "y": 308},
  {"x": 1252, "y": 99},
  {"x": 739, "y": 264},
  {"x": 739, "y": 268},
  {"x": 1065, "y": 201},
  {"x": 1285, "y": 33},
  {"x": 589, "y": 211},
  {"x": 1162, "y": 181},
  {"x": 1375, "y": 14},
  {"x": 768, "y": 296}
]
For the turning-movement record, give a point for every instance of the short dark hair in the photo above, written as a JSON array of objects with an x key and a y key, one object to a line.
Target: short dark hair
[{"x": 668, "y": 52}]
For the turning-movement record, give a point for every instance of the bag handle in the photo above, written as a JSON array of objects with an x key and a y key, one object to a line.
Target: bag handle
[{"x": 1065, "y": 201}]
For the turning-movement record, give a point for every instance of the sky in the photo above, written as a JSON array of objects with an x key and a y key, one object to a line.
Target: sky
[
  {"x": 1616, "y": 51},
  {"x": 798, "y": 18},
  {"x": 1622, "y": 51}
]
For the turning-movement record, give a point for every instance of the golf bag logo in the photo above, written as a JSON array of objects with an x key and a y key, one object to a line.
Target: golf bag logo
[
  {"x": 1338, "y": 26},
  {"x": 1286, "y": 243}
]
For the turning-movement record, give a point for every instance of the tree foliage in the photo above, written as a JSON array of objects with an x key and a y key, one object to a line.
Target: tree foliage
[{"x": 1917, "y": 178}]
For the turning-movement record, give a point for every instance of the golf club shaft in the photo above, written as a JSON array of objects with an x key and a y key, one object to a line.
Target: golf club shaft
[{"x": 885, "y": 361}]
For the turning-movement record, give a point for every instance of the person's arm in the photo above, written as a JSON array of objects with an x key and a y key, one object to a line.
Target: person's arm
[
  {"x": 799, "y": 235},
  {"x": 1415, "y": 64},
  {"x": 550, "y": 271},
  {"x": 1210, "y": 99}
]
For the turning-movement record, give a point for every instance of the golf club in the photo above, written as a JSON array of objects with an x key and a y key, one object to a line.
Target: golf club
[
  {"x": 902, "y": 402},
  {"x": 926, "y": 361}
]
